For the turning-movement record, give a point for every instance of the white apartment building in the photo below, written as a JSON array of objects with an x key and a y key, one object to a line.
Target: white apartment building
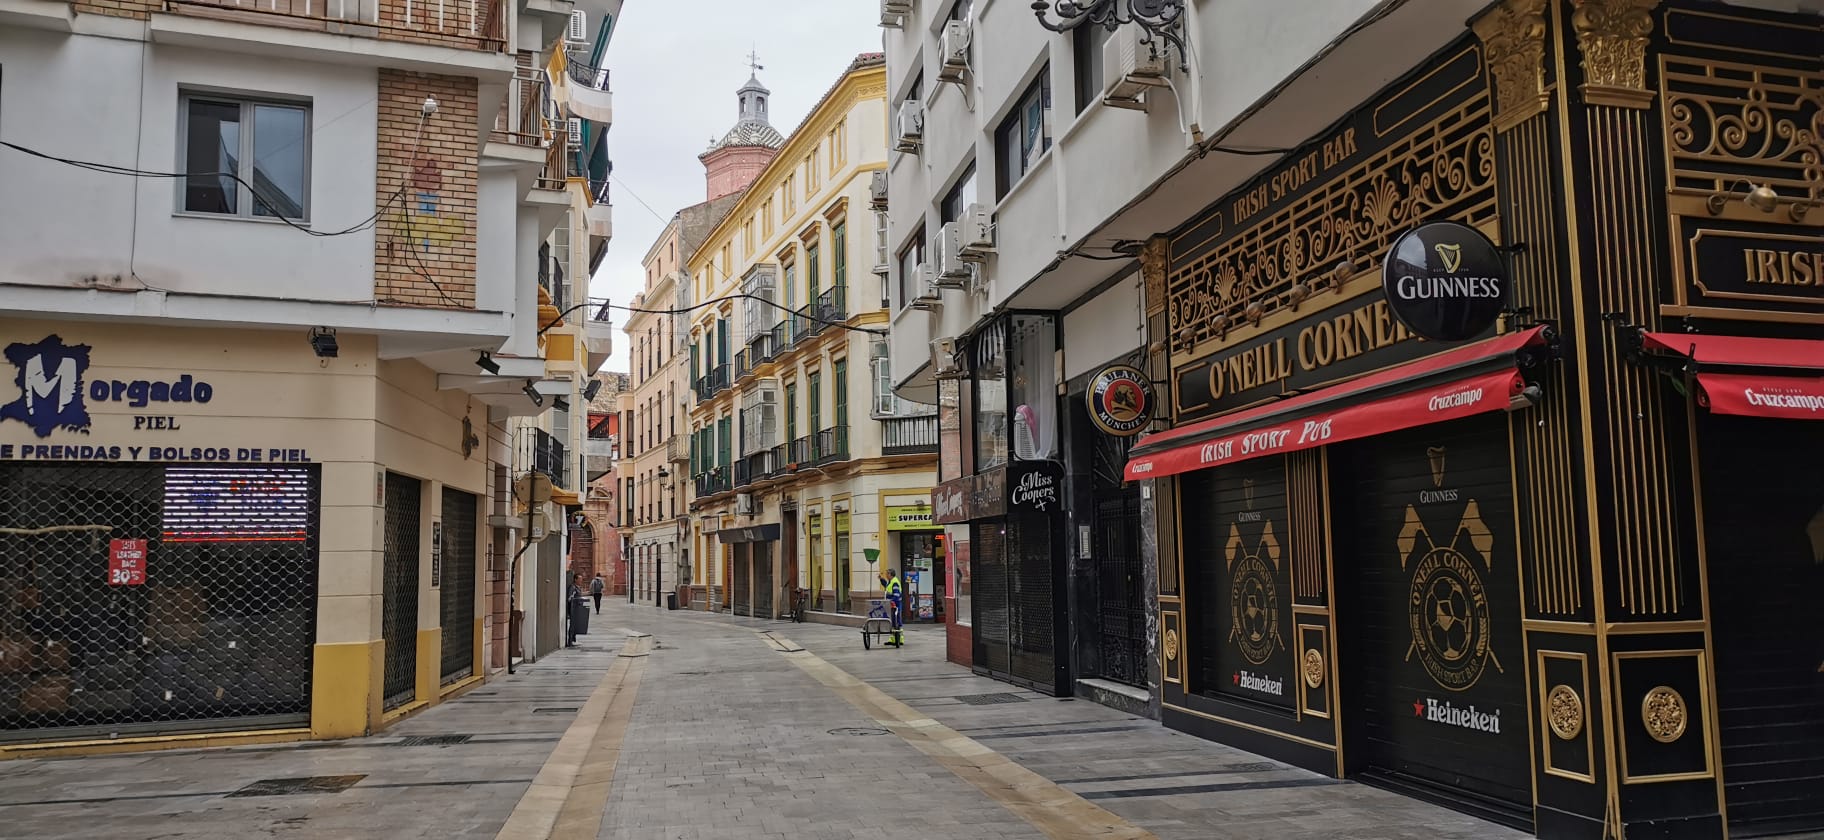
[
  {"x": 1166, "y": 266},
  {"x": 272, "y": 287}
]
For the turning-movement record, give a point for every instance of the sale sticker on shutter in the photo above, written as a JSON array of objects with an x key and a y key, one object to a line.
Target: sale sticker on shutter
[{"x": 126, "y": 562}]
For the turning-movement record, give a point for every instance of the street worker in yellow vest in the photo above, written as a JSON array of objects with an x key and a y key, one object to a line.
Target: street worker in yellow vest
[{"x": 890, "y": 583}]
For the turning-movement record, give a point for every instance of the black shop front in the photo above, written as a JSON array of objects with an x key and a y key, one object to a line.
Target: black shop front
[
  {"x": 751, "y": 571},
  {"x": 1559, "y": 568},
  {"x": 1013, "y": 511}
]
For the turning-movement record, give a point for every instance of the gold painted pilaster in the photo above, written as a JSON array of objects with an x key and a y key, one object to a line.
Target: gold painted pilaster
[
  {"x": 1152, "y": 273},
  {"x": 1612, "y": 34},
  {"x": 1513, "y": 33}
]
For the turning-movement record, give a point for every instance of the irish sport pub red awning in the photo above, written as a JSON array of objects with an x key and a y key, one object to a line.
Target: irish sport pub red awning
[
  {"x": 1752, "y": 377},
  {"x": 1462, "y": 382}
]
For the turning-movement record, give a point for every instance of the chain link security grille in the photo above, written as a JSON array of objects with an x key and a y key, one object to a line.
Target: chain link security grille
[
  {"x": 217, "y": 636},
  {"x": 399, "y": 604},
  {"x": 457, "y": 606}
]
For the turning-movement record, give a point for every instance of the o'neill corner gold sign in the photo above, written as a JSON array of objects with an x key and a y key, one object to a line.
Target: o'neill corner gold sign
[{"x": 911, "y": 518}]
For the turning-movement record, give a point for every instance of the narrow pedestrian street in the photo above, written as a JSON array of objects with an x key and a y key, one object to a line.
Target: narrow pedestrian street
[{"x": 685, "y": 725}]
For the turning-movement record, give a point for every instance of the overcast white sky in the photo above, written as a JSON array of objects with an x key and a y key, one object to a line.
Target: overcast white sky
[{"x": 675, "y": 67}]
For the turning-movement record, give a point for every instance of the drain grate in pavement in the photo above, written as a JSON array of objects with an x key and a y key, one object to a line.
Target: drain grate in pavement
[
  {"x": 859, "y": 730},
  {"x": 432, "y": 740},
  {"x": 303, "y": 785},
  {"x": 990, "y": 699},
  {"x": 555, "y": 710}
]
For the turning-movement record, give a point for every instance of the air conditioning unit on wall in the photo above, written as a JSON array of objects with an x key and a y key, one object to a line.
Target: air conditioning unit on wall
[
  {"x": 1130, "y": 65},
  {"x": 745, "y": 504},
  {"x": 975, "y": 238},
  {"x": 893, "y": 13},
  {"x": 925, "y": 292},
  {"x": 953, "y": 47},
  {"x": 578, "y": 30},
  {"x": 909, "y": 126},
  {"x": 952, "y": 271},
  {"x": 877, "y": 191}
]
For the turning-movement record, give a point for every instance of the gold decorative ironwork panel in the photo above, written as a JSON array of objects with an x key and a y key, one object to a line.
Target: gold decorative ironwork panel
[
  {"x": 1565, "y": 709},
  {"x": 1331, "y": 213}
]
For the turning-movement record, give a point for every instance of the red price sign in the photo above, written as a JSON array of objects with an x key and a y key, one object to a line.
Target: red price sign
[{"x": 126, "y": 562}]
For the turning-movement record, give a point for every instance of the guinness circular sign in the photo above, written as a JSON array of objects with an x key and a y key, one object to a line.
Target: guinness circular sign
[
  {"x": 1120, "y": 400},
  {"x": 1445, "y": 281}
]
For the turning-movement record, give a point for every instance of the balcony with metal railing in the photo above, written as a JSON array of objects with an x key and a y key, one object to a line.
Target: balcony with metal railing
[
  {"x": 777, "y": 461},
  {"x": 713, "y": 481},
  {"x": 590, "y": 96},
  {"x": 463, "y": 24},
  {"x": 744, "y": 474},
  {"x": 522, "y": 120},
  {"x": 908, "y": 435},
  {"x": 745, "y": 362},
  {"x": 829, "y": 309},
  {"x": 540, "y": 452},
  {"x": 801, "y": 451},
  {"x": 832, "y": 445}
]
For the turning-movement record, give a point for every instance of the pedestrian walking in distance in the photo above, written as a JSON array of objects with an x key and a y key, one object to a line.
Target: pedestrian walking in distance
[{"x": 595, "y": 590}]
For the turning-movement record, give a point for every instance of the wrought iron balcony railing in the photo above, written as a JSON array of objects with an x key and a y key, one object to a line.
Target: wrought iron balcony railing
[
  {"x": 908, "y": 435},
  {"x": 586, "y": 74},
  {"x": 832, "y": 445},
  {"x": 802, "y": 451},
  {"x": 546, "y": 454},
  {"x": 465, "y": 24}
]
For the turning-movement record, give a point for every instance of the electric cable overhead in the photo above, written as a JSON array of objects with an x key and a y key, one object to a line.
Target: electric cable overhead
[{"x": 712, "y": 302}]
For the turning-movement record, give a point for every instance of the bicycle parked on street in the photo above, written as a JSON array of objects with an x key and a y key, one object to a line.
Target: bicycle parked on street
[{"x": 801, "y": 598}]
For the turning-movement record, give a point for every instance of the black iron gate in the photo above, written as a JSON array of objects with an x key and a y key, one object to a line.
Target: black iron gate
[
  {"x": 205, "y": 625},
  {"x": 399, "y": 595},
  {"x": 1120, "y": 595},
  {"x": 457, "y": 597}
]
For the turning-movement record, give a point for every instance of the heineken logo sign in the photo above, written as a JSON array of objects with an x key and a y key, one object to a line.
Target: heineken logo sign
[{"x": 1445, "y": 281}]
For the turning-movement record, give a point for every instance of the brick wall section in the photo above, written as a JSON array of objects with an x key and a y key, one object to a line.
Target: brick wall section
[
  {"x": 463, "y": 24},
  {"x": 959, "y": 639},
  {"x": 136, "y": 9},
  {"x": 424, "y": 243}
]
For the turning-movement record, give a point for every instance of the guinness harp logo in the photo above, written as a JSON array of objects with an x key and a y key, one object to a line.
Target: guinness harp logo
[
  {"x": 1452, "y": 255},
  {"x": 1447, "y": 604},
  {"x": 1253, "y": 597},
  {"x": 1247, "y": 492}
]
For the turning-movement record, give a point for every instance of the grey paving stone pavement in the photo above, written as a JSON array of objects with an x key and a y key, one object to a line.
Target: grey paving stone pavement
[{"x": 728, "y": 739}]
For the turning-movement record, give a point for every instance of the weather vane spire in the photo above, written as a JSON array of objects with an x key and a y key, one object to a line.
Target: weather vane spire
[{"x": 753, "y": 63}]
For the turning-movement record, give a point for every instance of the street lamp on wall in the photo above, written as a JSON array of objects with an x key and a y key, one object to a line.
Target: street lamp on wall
[{"x": 1158, "y": 17}]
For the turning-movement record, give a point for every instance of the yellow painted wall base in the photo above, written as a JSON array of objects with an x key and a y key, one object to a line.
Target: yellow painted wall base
[
  {"x": 345, "y": 693},
  {"x": 430, "y": 664},
  {"x": 154, "y": 742},
  {"x": 478, "y": 665}
]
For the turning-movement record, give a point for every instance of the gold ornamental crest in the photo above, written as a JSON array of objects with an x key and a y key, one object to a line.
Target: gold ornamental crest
[
  {"x": 1447, "y": 604},
  {"x": 1171, "y": 645},
  {"x": 1564, "y": 712},
  {"x": 1253, "y": 594},
  {"x": 1663, "y": 713},
  {"x": 1314, "y": 668}
]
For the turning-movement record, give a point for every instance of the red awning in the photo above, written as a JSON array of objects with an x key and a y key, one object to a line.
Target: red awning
[
  {"x": 1463, "y": 382},
  {"x": 1752, "y": 377}
]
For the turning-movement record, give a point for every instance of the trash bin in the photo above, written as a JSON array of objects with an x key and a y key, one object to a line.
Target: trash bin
[
  {"x": 579, "y": 618},
  {"x": 671, "y": 600}
]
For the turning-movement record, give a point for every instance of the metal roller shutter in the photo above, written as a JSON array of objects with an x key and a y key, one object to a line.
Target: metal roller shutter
[
  {"x": 1431, "y": 643},
  {"x": 744, "y": 591},
  {"x": 761, "y": 554},
  {"x": 1032, "y": 613},
  {"x": 988, "y": 554},
  {"x": 1764, "y": 522}
]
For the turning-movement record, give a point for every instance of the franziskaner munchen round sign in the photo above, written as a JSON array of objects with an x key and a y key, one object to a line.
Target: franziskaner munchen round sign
[
  {"x": 1445, "y": 281},
  {"x": 1120, "y": 400}
]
